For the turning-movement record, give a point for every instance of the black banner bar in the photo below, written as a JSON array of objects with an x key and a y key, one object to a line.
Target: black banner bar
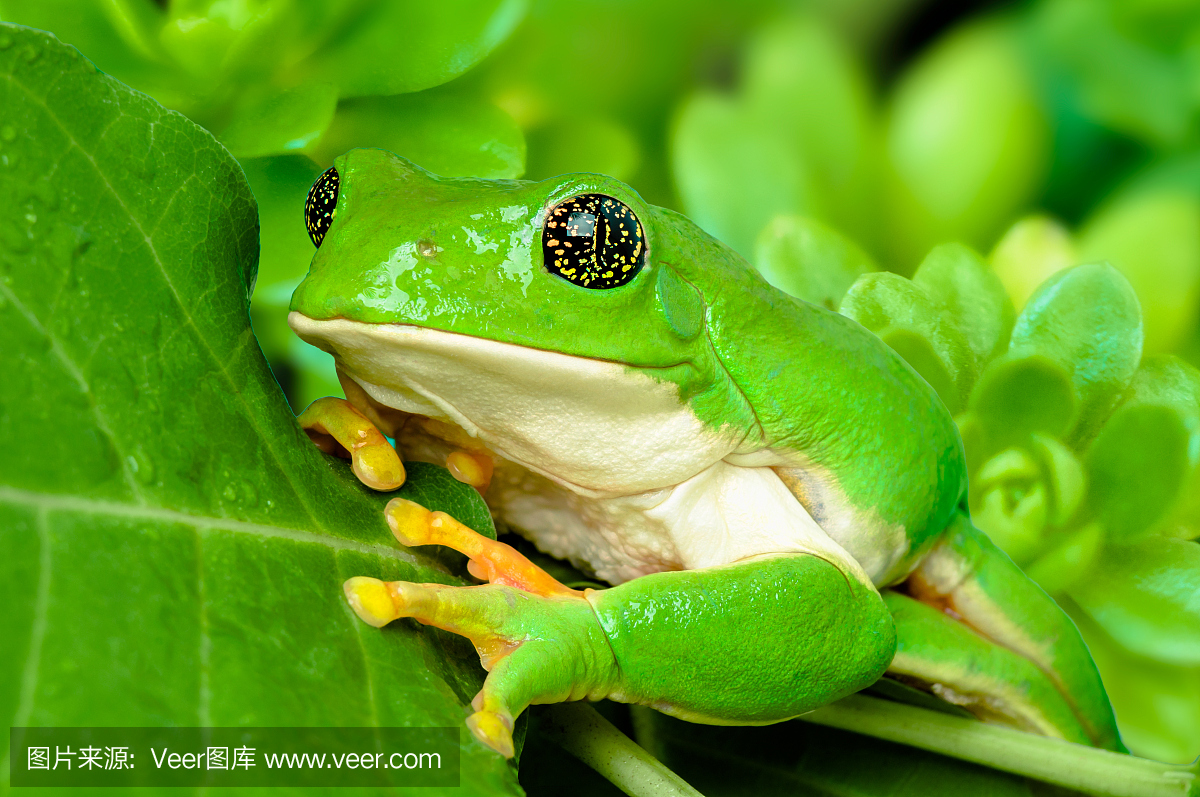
[{"x": 216, "y": 757}]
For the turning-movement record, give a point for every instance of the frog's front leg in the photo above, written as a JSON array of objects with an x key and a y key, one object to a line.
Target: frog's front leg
[
  {"x": 753, "y": 642},
  {"x": 338, "y": 427}
]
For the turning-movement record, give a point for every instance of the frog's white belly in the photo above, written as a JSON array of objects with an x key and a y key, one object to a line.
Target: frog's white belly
[
  {"x": 596, "y": 462},
  {"x": 724, "y": 514}
]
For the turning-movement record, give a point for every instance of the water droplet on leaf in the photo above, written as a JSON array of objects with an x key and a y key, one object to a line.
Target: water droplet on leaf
[
  {"x": 141, "y": 466},
  {"x": 241, "y": 492}
]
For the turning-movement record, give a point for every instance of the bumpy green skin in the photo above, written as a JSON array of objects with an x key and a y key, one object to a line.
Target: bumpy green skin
[
  {"x": 876, "y": 426},
  {"x": 752, "y": 642},
  {"x": 694, "y": 316}
]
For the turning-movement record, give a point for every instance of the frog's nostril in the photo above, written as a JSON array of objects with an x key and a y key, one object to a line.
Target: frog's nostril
[{"x": 321, "y": 205}]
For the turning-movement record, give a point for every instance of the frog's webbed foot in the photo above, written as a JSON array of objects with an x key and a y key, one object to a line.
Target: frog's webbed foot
[
  {"x": 538, "y": 639},
  {"x": 536, "y": 649},
  {"x": 338, "y": 427}
]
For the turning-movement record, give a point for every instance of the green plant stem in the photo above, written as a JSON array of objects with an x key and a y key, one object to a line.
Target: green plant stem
[
  {"x": 1074, "y": 766},
  {"x": 578, "y": 729}
]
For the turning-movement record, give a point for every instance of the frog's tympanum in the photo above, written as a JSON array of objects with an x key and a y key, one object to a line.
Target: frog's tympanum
[{"x": 774, "y": 494}]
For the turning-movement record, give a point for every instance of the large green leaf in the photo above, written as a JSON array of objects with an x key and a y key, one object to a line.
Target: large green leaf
[{"x": 171, "y": 545}]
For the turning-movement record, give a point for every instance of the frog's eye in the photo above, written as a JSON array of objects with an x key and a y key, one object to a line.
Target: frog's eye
[
  {"x": 594, "y": 241},
  {"x": 321, "y": 205}
]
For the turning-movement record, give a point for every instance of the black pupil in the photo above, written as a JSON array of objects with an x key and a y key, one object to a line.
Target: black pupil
[
  {"x": 594, "y": 241},
  {"x": 321, "y": 205}
]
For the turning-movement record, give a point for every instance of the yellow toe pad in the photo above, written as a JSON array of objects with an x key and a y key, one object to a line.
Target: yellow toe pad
[
  {"x": 409, "y": 521},
  {"x": 371, "y": 600},
  {"x": 494, "y": 730}
]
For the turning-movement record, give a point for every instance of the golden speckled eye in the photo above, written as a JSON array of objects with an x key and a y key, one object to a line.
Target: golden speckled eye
[
  {"x": 594, "y": 241},
  {"x": 321, "y": 205}
]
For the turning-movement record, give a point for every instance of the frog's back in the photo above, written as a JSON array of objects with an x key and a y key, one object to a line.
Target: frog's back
[{"x": 861, "y": 440}]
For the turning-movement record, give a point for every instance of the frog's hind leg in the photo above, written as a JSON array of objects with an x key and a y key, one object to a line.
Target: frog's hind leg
[
  {"x": 961, "y": 667},
  {"x": 1018, "y": 658},
  {"x": 753, "y": 642},
  {"x": 491, "y": 561}
]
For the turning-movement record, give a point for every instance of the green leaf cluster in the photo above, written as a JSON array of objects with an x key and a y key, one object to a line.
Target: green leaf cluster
[
  {"x": 266, "y": 76},
  {"x": 1080, "y": 108},
  {"x": 805, "y": 134},
  {"x": 1083, "y": 456}
]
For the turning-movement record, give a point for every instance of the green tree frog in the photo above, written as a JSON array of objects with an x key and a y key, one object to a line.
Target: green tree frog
[{"x": 772, "y": 492}]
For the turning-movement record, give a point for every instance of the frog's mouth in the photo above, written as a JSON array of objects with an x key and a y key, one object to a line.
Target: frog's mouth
[{"x": 596, "y": 427}]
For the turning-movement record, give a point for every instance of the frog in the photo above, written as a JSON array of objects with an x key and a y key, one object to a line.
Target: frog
[{"x": 774, "y": 498}]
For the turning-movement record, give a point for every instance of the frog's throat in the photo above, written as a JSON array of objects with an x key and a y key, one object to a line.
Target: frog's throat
[{"x": 598, "y": 428}]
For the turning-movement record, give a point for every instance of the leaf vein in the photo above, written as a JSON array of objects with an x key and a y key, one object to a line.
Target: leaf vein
[
  {"x": 358, "y": 629},
  {"x": 73, "y": 371},
  {"x": 68, "y": 503},
  {"x": 204, "y": 654},
  {"x": 29, "y": 676},
  {"x": 251, "y": 416}
]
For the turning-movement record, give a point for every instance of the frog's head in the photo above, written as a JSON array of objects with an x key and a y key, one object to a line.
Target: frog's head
[{"x": 551, "y": 319}]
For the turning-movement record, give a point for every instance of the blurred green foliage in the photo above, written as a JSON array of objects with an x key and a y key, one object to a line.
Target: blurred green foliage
[
  {"x": 1083, "y": 458},
  {"x": 842, "y": 147}
]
